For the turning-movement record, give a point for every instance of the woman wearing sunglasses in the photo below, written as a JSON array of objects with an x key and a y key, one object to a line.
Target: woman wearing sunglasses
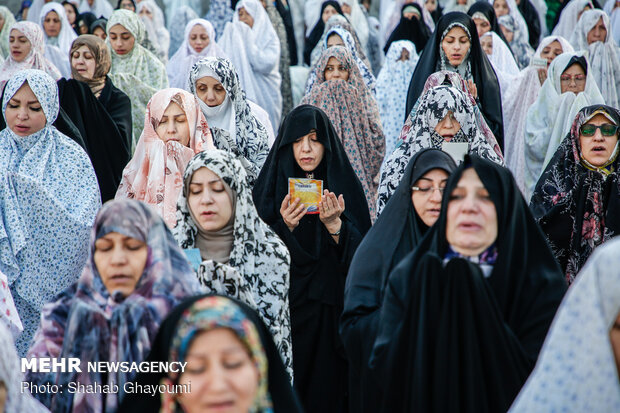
[{"x": 577, "y": 198}]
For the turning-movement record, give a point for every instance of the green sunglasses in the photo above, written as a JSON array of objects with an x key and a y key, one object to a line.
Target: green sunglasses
[{"x": 606, "y": 129}]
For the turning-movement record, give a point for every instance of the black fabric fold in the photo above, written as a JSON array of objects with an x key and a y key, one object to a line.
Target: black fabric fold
[
  {"x": 483, "y": 74},
  {"x": 319, "y": 265},
  {"x": 395, "y": 234},
  {"x": 105, "y": 125},
  {"x": 414, "y": 30},
  {"x": 317, "y": 32},
  {"x": 451, "y": 339},
  {"x": 530, "y": 14}
]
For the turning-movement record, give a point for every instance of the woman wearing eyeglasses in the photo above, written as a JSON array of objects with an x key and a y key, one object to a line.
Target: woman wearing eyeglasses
[
  {"x": 569, "y": 87},
  {"x": 416, "y": 203},
  {"x": 577, "y": 198}
]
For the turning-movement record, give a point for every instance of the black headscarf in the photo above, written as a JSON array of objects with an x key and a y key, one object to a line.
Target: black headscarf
[
  {"x": 489, "y": 12},
  {"x": 77, "y": 13},
  {"x": 85, "y": 19},
  {"x": 452, "y": 339},
  {"x": 335, "y": 169},
  {"x": 482, "y": 72},
  {"x": 118, "y": 5},
  {"x": 578, "y": 207},
  {"x": 102, "y": 23},
  {"x": 396, "y": 233},
  {"x": 287, "y": 18},
  {"x": 530, "y": 14},
  {"x": 282, "y": 395},
  {"x": 412, "y": 29},
  {"x": 319, "y": 28}
]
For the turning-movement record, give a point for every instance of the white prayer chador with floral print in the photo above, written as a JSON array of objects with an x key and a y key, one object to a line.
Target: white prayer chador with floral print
[
  {"x": 49, "y": 197},
  {"x": 180, "y": 64},
  {"x": 576, "y": 369},
  {"x": 569, "y": 17},
  {"x": 258, "y": 264},
  {"x": 34, "y": 60},
  {"x": 550, "y": 118},
  {"x": 392, "y": 85},
  {"x": 522, "y": 92},
  {"x": 255, "y": 53},
  {"x": 604, "y": 57}
]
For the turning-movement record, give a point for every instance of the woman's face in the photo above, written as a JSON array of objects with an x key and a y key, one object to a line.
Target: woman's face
[
  {"x": 82, "y": 27},
  {"x": 24, "y": 114},
  {"x": 426, "y": 198},
  {"x": 431, "y": 5},
  {"x": 208, "y": 200},
  {"x": 245, "y": 17},
  {"x": 508, "y": 34},
  {"x": 501, "y": 8},
  {"x": 482, "y": 26},
  {"x": 120, "y": 261},
  {"x": 487, "y": 44},
  {"x": 127, "y": 5},
  {"x": 346, "y": 8},
  {"x": 3, "y": 395},
  {"x": 334, "y": 40},
  {"x": 173, "y": 125},
  {"x": 146, "y": 12},
  {"x": 83, "y": 61},
  {"x": 448, "y": 126},
  {"x": 471, "y": 224},
  {"x": 121, "y": 40},
  {"x": 551, "y": 51},
  {"x": 328, "y": 12},
  {"x": 597, "y": 148},
  {"x": 51, "y": 24},
  {"x": 404, "y": 55},
  {"x": 100, "y": 33},
  {"x": 308, "y": 151},
  {"x": 70, "y": 12},
  {"x": 335, "y": 70},
  {"x": 598, "y": 33},
  {"x": 198, "y": 38},
  {"x": 455, "y": 45},
  {"x": 573, "y": 79},
  {"x": 614, "y": 338},
  {"x": 210, "y": 91},
  {"x": 19, "y": 44},
  {"x": 220, "y": 373}
]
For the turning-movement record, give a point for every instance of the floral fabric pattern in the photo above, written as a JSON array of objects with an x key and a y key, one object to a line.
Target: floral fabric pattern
[
  {"x": 574, "y": 203},
  {"x": 259, "y": 257},
  {"x": 354, "y": 114},
  {"x": 49, "y": 197},
  {"x": 419, "y": 133},
  {"x": 89, "y": 322},
  {"x": 249, "y": 140},
  {"x": 154, "y": 174}
]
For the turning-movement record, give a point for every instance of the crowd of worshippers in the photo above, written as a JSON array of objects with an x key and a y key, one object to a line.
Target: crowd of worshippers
[{"x": 320, "y": 206}]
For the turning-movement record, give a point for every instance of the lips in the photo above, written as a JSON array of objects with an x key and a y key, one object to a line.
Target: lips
[
  {"x": 220, "y": 406},
  {"x": 469, "y": 226},
  {"x": 121, "y": 51},
  {"x": 120, "y": 278},
  {"x": 22, "y": 128},
  {"x": 307, "y": 160},
  {"x": 433, "y": 211},
  {"x": 199, "y": 49},
  {"x": 598, "y": 149},
  {"x": 456, "y": 56}
]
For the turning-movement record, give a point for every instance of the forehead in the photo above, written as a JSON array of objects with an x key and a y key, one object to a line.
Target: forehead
[
  {"x": 456, "y": 32},
  {"x": 204, "y": 174},
  {"x": 599, "y": 119},
  {"x": 470, "y": 179},
  {"x": 119, "y": 29},
  {"x": 25, "y": 93},
  {"x": 574, "y": 68},
  {"x": 173, "y": 109},
  {"x": 208, "y": 81},
  {"x": 198, "y": 29}
]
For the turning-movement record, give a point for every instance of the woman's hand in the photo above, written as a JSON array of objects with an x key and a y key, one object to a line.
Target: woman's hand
[
  {"x": 472, "y": 88},
  {"x": 293, "y": 213},
  {"x": 542, "y": 75},
  {"x": 330, "y": 209}
]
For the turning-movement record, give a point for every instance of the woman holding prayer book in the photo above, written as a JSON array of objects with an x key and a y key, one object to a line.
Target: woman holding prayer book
[{"x": 321, "y": 246}]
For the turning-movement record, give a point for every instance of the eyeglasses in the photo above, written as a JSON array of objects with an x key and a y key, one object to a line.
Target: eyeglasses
[
  {"x": 606, "y": 129},
  {"x": 576, "y": 78},
  {"x": 427, "y": 191}
]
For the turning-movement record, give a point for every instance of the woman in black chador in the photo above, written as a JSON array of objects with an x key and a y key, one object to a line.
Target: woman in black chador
[
  {"x": 465, "y": 315},
  {"x": 321, "y": 246}
]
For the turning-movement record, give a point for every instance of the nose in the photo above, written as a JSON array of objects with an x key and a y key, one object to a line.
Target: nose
[
  {"x": 23, "y": 113},
  {"x": 598, "y": 136},
  {"x": 435, "y": 195},
  {"x": 206, "y": 198},
  {"x": 470, "y": 204},
  {"x": 119, "y": 257},
  {"x": 217, "y": 379},
  {"x": 447, "y": 123},
  {"x": 305, "y": 145},
  {"x": 336, "y": 74},
  {"x": 172, "y": 127}
]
